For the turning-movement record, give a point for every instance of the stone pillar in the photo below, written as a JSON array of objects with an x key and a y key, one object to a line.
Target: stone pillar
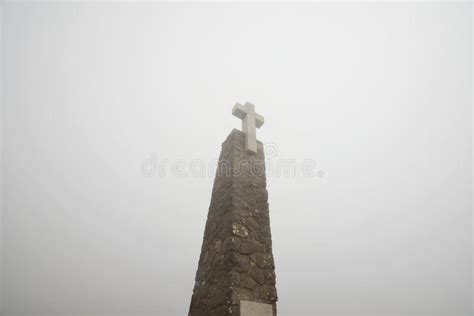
[{"x": 236, "y": 263}]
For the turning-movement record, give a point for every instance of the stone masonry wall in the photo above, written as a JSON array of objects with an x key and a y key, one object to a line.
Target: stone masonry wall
[{"x": 236, "y": 261}]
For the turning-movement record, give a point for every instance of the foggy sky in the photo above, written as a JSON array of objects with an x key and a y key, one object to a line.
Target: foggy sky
[{"x": 378, "y": 96}]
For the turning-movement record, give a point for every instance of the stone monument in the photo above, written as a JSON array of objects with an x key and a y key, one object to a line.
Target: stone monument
[{"x": 236, "y": 271}]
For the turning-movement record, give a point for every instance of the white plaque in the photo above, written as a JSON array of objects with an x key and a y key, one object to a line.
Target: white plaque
[{"x": 248, "y": 308}]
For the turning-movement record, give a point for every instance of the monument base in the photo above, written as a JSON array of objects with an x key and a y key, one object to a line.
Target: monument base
[{"x": 236, "y": 263}]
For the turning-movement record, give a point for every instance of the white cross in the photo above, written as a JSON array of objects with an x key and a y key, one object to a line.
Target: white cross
[{"x": 250, "y": 121}]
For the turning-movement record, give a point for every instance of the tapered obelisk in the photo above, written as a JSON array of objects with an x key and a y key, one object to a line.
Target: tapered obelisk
[{"x": 236, "y": 272}]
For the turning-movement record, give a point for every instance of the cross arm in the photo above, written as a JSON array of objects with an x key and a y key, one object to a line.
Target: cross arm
[
  {"x": 259, "y": 120},
  {"x": 239, "y": 111}
]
